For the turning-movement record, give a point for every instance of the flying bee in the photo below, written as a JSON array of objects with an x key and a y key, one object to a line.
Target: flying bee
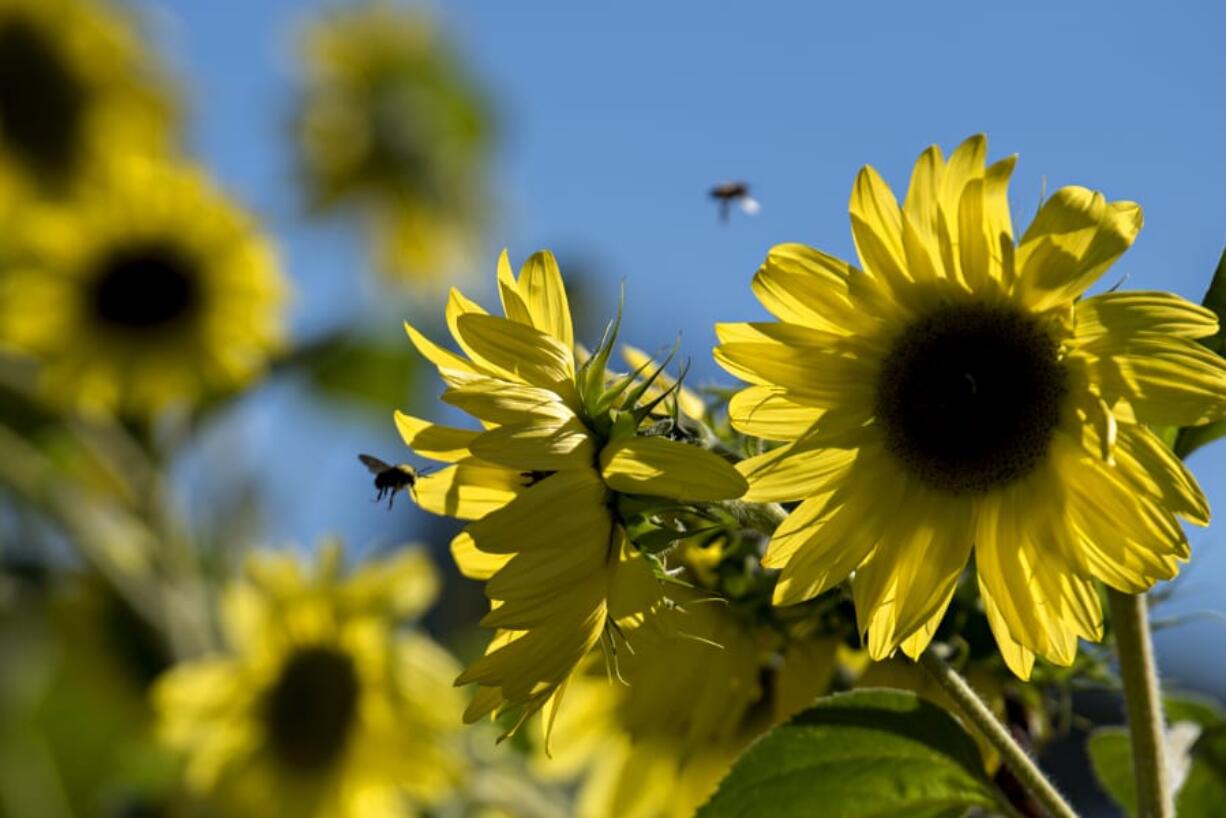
[
  {"x": 389, "y": 479},
  {"x": 726, "y": 193}
]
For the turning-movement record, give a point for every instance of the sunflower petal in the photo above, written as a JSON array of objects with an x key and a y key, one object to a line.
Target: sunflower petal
[
  {"x": 540, "y": 283},
  {"x": 548, "y": 444},
  {"x": 1073, "y": 239},
  {"x": 467, "y": 491},
  {"x": 436, "y": 442},
  {"x": 666, "y": 468},
  {"x": 765, "y": 412},
  {"x": 516, "y": 351}
]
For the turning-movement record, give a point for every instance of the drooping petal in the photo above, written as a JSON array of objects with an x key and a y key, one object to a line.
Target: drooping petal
[
  {"x": 667, "y": 468},
  {"x": 531, "y": 522}
]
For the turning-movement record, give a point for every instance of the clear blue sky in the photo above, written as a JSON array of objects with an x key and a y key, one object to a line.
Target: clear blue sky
[{"x": 614, "y": 119}]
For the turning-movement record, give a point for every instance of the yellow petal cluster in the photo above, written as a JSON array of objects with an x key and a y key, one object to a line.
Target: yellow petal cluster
[
  {"x": 540, "y": 486},
  {"x": 959, "y": 394},
  {"x": 319, "y": 705},
  {"x": 146, "y": 288},
  {"x": 701, "y": 684}
]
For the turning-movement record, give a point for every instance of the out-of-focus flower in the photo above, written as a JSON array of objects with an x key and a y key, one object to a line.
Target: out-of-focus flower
[
  {"x": 75, "y": 88},
  {"x": 146, "y": 289},
  {"x": 960, "y": 393},
  {"x": 701, "y": 684},
  {"x": 391, "y": 122},
  {"x": 319, "y": 706},
  {"x": 547, "y": 483}
]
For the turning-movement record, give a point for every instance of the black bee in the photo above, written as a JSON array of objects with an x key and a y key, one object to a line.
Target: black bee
[
  {"x": 389, "y": 479},
  {"x": 728, "y": 192}
]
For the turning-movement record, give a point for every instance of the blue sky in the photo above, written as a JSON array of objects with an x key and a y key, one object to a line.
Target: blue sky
[{"x": 614, "y": 119}]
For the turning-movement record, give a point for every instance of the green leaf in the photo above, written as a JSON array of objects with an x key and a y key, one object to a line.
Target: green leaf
[
  {"x": 1203, "y": 791},
  {"x": 1192, "y": 438},
  {"x": 872, "y": 753},
  {"x": 1111, "y": 757}
]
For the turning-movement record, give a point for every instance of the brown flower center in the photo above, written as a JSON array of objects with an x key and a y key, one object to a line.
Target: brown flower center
[
  {"x": 311, "y": 708},
  {"x": 970, "y": 396},
  {"x": 145, "y": 287}
]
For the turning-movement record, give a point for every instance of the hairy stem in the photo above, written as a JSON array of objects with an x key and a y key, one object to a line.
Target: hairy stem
[
  {"x": 1130, "y": 620},
  {"x": 972, "y": 708}
]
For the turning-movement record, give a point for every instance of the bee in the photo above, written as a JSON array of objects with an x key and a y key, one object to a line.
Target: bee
[
  {"x": 389, "y": 479},
  {"x": 728, "y": 192}
]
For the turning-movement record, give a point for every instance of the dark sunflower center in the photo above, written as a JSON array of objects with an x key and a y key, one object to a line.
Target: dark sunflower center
[
  {"x": 970, "y": 395},
  {"x": 146, "y": 287},
  {"x": 311, "y": 708},
  {"x": 42, "y": 101}
]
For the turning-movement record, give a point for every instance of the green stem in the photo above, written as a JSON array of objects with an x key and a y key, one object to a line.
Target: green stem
[
  {"x": 972, "y": 708},
  {"x": 1130, "y": 622}
]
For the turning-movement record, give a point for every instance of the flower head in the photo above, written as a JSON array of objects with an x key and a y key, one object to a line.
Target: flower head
[
  {"x": 702, "y": 683},
  {"x": 318, "y": 706},
  {"x": 562, "y": 460},
  {"x": 960, "y": 395},
  {"x": 145, "y": 289},
  {"x": 391, "y": 122}
]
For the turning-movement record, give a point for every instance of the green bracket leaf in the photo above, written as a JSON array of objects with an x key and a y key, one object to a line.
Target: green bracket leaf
[
  {"x": 864, "y": 754},
  {"x": 1192, "y": 438}
]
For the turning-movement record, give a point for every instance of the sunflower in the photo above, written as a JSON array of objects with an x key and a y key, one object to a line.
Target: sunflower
[
  {"x": 547, "y": 483},
  {"x": 960, "y": 395},
  {"x": 390, "y": 121},
  {"x": 148, "y": 288},
  {"x": 75, "y": 87},
  {"x": 701, "y": 684},
  {"x": 318, "y": 706}
]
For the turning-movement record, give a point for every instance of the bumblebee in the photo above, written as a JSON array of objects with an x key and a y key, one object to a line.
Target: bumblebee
[{"x": 389, "y": 479}]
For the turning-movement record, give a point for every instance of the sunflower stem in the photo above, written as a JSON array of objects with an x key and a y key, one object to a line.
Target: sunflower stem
[
  {"x": 1130, "y": 621},
  {"x": 1019, "y": 762}
]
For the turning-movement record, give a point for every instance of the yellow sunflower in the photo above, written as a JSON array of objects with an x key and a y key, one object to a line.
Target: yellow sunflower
[
  {"x": 959, "y": 395},
  {"x": 319, "y": 706},
  {"x": 701, "y": 684},
  {"x": 546, "y": 483},
  {"x": 390, "y": 121},
  {"x": 75, "y": 87},
  {"x": 146, "y": 289}
]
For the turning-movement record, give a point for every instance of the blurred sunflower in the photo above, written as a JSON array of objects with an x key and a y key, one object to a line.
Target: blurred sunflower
[
  {"x": 148, "y": 288},
  {"x": 75, "y": 87},
  {"x": 390, "y": 120},
  {"x": 702, "y": 683},
  {"x": 960, "y": 394},
  {"x": 319, "y": 706},
  {"x": 547, "y": 483}
]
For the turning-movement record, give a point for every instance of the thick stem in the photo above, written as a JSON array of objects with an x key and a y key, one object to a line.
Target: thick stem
[
  {"x": 1130, "y": 621},
  {"x": 972, "y": 708}
]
